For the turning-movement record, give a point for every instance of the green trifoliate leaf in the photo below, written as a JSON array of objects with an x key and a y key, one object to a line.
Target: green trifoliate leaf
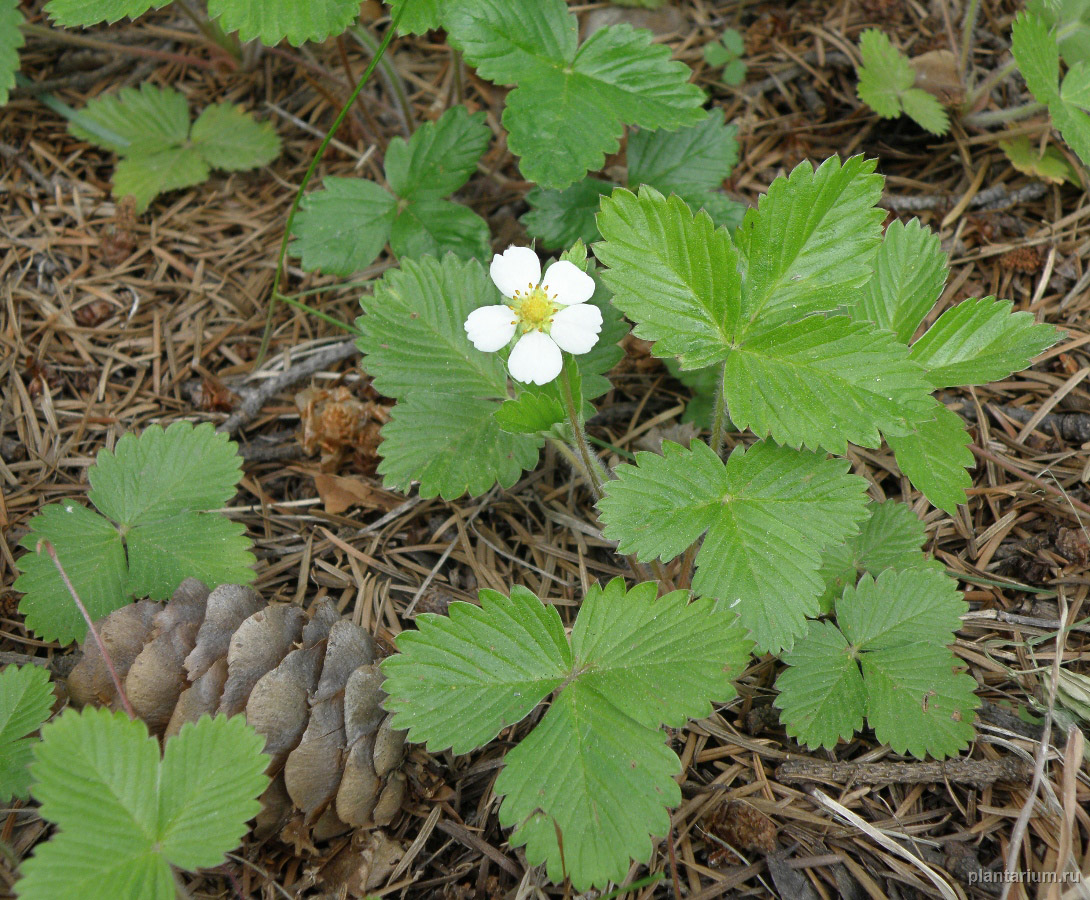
[
  {"x": 810, "y": 241},
  {"x": 597, "y": 768},
  {"x": 92, "y": 553},
  {"x": 888, "y": 658},
  {"x": 629, "y": 647},
  {"x": 443, "y": 431},
  {"x": 886, "y": 80},
  {"x": 892, "y": 538},
  {"x": 25, "y": 701},
  {"x": 687, "y": 162},
  {"x": 436, "y": 227},
  {"x": 1075, "y": 88},
  {"x": 144, "y": 176},
  {"x": 768, "y": 513},
  {"x": 149, "y": 128},
  {"x": 73, "y": 13},
  {"x": 160, "y": 489},
  {"x": 11, "y": 39},
  {"x": 460, "y": 679},
  {"x": 979, "y": 341},
  {"x": 571, "y": 101},
  {"x": 560, "y": 218},
  {"x": 822, "y": 698},
  {"x": 440, "y": 156},
  {"x": 673, "y": 273},
  {"x": 935, "y": 457},
  {"x": 419, "y": 15},
  {"x": 824, "y": 382},
  {"x": 274, "y": 20},
  {"x": 229, "y": 138},
  {"x": 342, "y": 228},
  {"x": 163, "y": 554},
  {"x": 1050, "y": 165},
  {"x": 98, "y": 777},
  {"x": 724, "y": 54},
  {"x": 150, "y": 118},
  {"x": 909, "y": 275},
  {"x": 162, "y": 473},
  {"x": 1071, "y": 21}
]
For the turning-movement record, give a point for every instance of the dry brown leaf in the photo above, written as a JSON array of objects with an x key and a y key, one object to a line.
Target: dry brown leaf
[
  {"x": 937, "y": 73},
  {"x": 339, "y": 492}
]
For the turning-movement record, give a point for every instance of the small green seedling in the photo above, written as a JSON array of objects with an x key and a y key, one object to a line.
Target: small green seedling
[
  {"x": 160, "y": 151},
  {"x": 886, "y": 85},
  {"x": 726, "y": 54}
]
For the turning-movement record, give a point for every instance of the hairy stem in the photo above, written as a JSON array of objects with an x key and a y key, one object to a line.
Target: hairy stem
[
  {"x": 278, "y": 276},
  {"x": 593, "y": 469},
  {"x": 967, "y": 26},
  {"x": 212, "y": 31},
  {"x": 994, "y": 117},
  {"x": 51, "y": 550}
]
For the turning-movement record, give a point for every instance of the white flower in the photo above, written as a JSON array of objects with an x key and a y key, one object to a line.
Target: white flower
[{"x": 551, "y": 314}]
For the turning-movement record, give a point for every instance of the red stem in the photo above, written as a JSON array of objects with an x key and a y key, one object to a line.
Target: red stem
[{"x": 90, "y": 625}]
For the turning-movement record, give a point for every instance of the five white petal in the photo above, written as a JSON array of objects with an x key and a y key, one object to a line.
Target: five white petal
[{"x": 536, "y": 357}]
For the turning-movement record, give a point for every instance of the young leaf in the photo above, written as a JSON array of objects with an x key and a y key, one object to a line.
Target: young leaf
[
  {"x": 75, "y": 13},
  {"x": 823, "y": 382},
  {"x": 230, "y": 139},
  {"x": 888, "y": 658},
  {"x": 768, "y": 513},
  {"x": 560, "y": 218},
  {"x": 979, "y": 341},
  {"x": 459, "y": 679},
  {"x": 935, "y": 458},
  {"x": 891, "y": 538},
  {"x": 571, "y": 102},
  {"x": 439, "y": 158},
  {"x": 11, "y": 39},
  {"x": 25, "y": 701},
  {"x": 160, "y": 489},
  {"x": 344, "y": 227},
  {"x": 725, "y": 54},
  {"x": 274, "y": 20},
  {"x": 596, "y": 769},
  {"x": 92, "y": 553},
  {"x": 414, "y": 342},
  {"x": 909, "y": 275},
  {"x": 811, "y": 238},
  {"x": 886, "y": 80},
  {"x": 673, "y": 273},
  {"x": 98, "y": 777},
  {"x": 687, "y": 162},
  {"x": 149, "y": 129}
]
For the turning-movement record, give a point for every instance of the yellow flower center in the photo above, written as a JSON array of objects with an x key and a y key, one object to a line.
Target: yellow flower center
[{"x": 534, "y": 308}]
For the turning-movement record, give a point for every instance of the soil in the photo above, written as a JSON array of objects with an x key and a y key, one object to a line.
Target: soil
[{"x": 111, "y": 321}]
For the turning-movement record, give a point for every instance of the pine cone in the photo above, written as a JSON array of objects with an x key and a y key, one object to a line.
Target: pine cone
[{"x": 312, "y": 688}]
